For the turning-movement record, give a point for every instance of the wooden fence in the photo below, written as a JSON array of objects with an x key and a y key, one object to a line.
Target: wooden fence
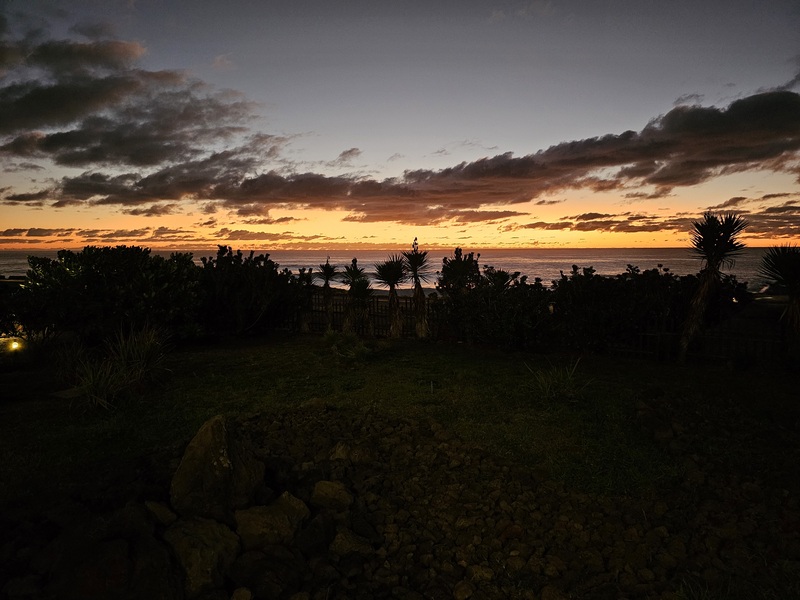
[{"x": 753, "y": 337}]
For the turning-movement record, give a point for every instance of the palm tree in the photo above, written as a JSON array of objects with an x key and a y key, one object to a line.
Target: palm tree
[
  {"x": 416, "y": 263},
  {"x": 357, "y": 315},
  {"x": 391, "y": 273},
  {"x": 780, "y": 265},
  {"x": 715, "y": 240},
  {"x": 327, "y": 273}
]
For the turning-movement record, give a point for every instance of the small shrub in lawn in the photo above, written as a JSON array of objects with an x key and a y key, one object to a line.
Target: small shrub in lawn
[
  {"x": 346, "y": 347},
  {"x": 100, "y": 381},
  {"x": 557, "y": 383},
  {"x": 140, "y": 353},
  {"x": 130, "y": 359}
]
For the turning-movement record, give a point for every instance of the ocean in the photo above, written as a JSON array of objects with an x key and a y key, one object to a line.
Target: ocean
[{"x": 536, "y": 262}]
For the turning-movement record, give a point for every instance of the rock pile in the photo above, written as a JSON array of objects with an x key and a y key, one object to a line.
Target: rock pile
[{"x": 319, "y": 503}]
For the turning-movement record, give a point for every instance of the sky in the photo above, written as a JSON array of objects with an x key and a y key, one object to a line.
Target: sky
[{"x": 324, "y": 124}]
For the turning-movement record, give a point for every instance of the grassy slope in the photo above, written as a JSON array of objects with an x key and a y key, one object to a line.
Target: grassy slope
[{"x": 595, "y": 442}]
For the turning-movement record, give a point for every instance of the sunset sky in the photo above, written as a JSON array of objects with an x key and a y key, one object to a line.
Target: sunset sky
[{"x": 315, "y": 124}]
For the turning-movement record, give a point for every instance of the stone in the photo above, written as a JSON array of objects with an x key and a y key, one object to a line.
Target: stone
[
  {"x": 242, "y": 593},
  {"x": 480, "y": 573},
  {"x": 331, "y": 494},
  {"x": 347, "y": 542},
  {"x": 358, "y": 455},
  {"x": 550, "y": 592},
  {"x": 205, "y": 550},
  {"x": 216, "y": 474},
  {"x": 161, "y": 512},
  {"x": 277, "y": 523},
  {"x": 463, "y": 590}
]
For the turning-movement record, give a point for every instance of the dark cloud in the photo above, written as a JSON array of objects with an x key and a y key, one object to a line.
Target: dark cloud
[
  {"x": 686, "y": 146},
  {"x": 787, "y": 208},
  {"x": 589, "y": 217},
  {"x": 730, "y": 203},
  {"x": 345, "y": 158},
  {"x": 85, "y": 103},
  {"x": 269, "y": 221},
  {"x": 249, "y": 235},
  {"x": 29, "y": 198},
  {"x": 41, "y": 232},
  {"x": 691, "y": 99},
  {"x": 794, "y": 82},
  {"x": 141, "y": 139},
  {"x": 156, "y": 210}
]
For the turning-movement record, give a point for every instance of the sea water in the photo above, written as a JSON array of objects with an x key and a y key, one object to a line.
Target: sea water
[{"x": 536, "y": 262}]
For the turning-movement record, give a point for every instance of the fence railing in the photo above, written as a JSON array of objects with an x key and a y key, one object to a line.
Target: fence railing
[{"x": 659, "y": 341}]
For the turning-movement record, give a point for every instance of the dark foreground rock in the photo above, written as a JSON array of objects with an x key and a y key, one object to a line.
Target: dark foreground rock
[{"x": 320, "y": 503}]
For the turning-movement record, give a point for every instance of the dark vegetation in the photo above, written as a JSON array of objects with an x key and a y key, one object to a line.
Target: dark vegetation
[
  {"x": 543, "y": 377},
  {"x": 94, "y": 302}
]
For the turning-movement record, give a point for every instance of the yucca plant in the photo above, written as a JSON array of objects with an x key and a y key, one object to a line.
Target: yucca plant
[
  {"x": 139, "y": 353},
  {"x": 715, "y": 240},
  {"x": 416, "y": 263},
  {"x": 130, "y": 359},
  {"x": 327, "y": 274},
  {"x": 391, "y": 273},
  {"x": 780, "y": 266},
  {"x": 557, "y": 383},
  {"x": 359, "y": 292}
]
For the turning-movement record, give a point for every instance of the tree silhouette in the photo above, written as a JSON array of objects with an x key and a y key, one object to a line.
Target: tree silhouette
[
  {"x": 780, "y": 265},
  {"x": 416, "y": 263},
  {"x": 359, "y": 290},
  {"x": 715, "y": 240},
  {"x": 391, "y": 273},
  {"x": 327, "y": 273}
]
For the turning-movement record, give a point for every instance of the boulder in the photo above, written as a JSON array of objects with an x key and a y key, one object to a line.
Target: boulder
[
  {"x": 216, "y": 475},
  {"x": 274, "y": 574},
  {"x": 205, "y": 550},
  {"x": 277, "y": 523},
  {"x": 347, "y": 542},
  {"x": 331, "y": 494}
]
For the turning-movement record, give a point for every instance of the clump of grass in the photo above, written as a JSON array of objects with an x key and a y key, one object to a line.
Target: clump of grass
[
  {"x": 347, "y": 348},
  {"x": 140, "y": 353},
  {"x": 129, "y": 359},
  {"x": 100, "y": 381},
  {"x": 554, "y": 384}
]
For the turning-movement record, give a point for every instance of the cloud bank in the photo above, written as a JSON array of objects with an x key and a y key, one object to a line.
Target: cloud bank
[{"x": 156, "y": 143}]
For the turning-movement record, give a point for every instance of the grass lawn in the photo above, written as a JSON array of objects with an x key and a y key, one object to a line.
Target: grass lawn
[{"x": 600, "y": 424}]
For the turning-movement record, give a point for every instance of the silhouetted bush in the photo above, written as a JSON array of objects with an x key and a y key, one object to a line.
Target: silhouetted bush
[
  {"x": 244, "y": 294},
  {"x": 458, "y": 311},
  {"x": 581, "y": 311},
  {"x": 96, "y": 291}
]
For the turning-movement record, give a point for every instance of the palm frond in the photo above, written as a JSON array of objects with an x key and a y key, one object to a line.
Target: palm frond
[
  {"x": 391, "y": 272},
  {"x": 780, "y": 265},
  {"x": 327, "y": 272},
  {"x": 715, "y": 239},
  {"x": 417, "y": 263},
  {"x": 353, "y": 274}
]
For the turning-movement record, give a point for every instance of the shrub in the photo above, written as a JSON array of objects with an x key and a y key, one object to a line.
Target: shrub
[
  {"x": 127, "y": 361},
  {"x": 98, "y": 290},
  {"x": 557, "y": 383},
  {"x": 243, "y": 294}
]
